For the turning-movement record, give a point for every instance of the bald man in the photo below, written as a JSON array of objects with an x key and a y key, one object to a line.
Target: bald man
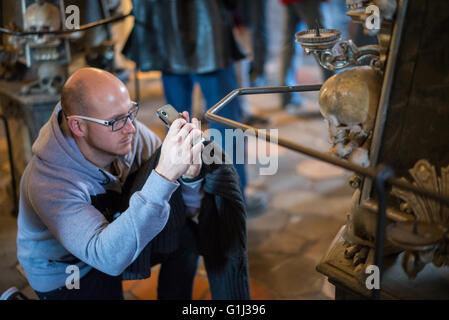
[{"x": 90, "y": 145}]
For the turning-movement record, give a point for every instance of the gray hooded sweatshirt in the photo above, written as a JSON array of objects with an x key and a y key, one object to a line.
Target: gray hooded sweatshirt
[{"x": 57, "y": 223}]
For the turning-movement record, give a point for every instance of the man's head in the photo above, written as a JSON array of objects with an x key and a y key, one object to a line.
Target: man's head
[{"x": 95, "y": 93}]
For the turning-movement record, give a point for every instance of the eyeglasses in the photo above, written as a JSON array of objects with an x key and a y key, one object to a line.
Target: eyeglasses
[{"x": 116, "y": 124}]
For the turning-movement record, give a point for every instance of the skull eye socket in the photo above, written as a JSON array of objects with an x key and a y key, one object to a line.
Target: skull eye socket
[
  {"x": 45, "y": 28},
  {"x": 33, "y": 28},
  {"x": 57, "y": 80},
  {"x": 45, "y": 81}
]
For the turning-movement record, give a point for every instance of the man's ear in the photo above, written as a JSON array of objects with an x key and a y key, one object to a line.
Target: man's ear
[{"x": 77, "y": 127}]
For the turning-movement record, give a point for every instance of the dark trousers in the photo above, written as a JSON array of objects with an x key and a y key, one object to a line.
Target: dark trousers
[{"x": 178, "y": 269}]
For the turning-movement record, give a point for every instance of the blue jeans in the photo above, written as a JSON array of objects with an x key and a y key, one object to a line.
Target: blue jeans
[{"x": 215, "y": 86}]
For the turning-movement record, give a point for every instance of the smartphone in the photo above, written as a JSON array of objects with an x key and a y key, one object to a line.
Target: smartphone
[{"x": 168, "y": 114}]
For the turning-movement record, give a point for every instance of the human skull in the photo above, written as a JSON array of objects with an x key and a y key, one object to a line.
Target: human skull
[
  {"x": 348, "y": 101},
  {"x": 42, "y": 16},
  {"x": 51, "y": 77}
]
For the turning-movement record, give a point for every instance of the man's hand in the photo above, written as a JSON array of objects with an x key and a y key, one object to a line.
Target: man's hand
[
  {"x": 197, "y": 150},
  {"x": 177, "y": 153}
]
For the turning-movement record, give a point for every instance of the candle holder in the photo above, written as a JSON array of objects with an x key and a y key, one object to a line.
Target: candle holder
[{"x": 333, "y": 54}]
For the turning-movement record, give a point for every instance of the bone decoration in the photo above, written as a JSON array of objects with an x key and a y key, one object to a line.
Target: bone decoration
[
  {"x": 429, "y": 215},
  {"x": 426, "y": 210},
  {"x": 51, "y": 78},
  {"x": 43, "y": 16}
]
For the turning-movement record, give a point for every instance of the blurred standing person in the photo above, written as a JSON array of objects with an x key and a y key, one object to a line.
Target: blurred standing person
[
  {"x": 250, "y": 32},
  {"x": 335, "y": 17},
  {"x": 190, "y": 41},
  {"x": 296, "y": 11},
  {"x": 252, "y": 14}
]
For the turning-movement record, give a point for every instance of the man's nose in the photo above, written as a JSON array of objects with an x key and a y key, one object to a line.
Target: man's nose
[{"x": 129, "y": 127}]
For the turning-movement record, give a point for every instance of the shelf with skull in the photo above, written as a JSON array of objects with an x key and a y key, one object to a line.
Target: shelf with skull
[
  {"x": 46, "y": 54},
  {"x": 49, "y": 52}
]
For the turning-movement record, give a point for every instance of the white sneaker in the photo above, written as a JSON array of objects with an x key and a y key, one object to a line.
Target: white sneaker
[{"x": 13, "y": 294}]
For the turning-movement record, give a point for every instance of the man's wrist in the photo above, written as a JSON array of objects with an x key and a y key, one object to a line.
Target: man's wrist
[{"x": 165, "y": 176}]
